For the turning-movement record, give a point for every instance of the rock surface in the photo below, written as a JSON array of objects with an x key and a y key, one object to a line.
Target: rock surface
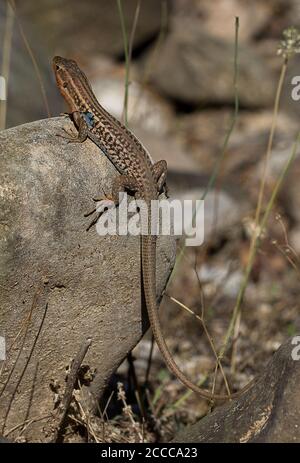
[
  {"x": 186, "y": 55},
  {"x": 204, "y": 133},
  {"x": 91, "y": 282},
  {"x": 71, "y": 28},
  {"x": 94, "y": 25},
  {"x": 146, "y": 109},
  {"x": 268, "y": 412},
  {"x": 216, "y": 17}
]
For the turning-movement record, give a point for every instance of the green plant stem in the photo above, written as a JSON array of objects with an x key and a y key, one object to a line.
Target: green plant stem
[
  {"x": 6, "y": 54},
  {"x": 220, "y": 159},
  {"x": 255, "y": 244},
  {"x": 271, "y": 138},
  {"x": 257, "y": 230},
  {"x": 32, "y": 57},
  {"x": 127, "y": 61}
]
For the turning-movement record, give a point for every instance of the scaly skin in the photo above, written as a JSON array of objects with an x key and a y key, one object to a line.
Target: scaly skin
[{"x": 137, "y": 174}]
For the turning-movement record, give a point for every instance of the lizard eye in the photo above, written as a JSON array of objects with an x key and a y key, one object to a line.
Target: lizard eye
[{"x": 65, "y": 84}]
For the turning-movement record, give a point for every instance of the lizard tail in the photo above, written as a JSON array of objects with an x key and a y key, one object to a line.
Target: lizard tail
[{"x": 149, "y": 283}]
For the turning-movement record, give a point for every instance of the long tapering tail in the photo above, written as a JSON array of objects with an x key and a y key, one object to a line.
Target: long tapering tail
[{"x": 149, "y": 281}]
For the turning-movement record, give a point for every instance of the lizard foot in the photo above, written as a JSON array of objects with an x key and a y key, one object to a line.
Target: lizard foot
[
  {"x": 68, "y": 136},
  {"x": 104, "y": 204}
]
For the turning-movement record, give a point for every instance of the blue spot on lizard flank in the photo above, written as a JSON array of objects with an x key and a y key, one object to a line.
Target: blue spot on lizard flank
[{"x": 89, "y": 119}]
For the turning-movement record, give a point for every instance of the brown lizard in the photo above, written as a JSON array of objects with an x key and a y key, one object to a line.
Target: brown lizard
[{"x": 138, "y": 175}]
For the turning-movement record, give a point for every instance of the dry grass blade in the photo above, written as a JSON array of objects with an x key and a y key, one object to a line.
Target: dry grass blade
[
  {"x": 211, "y": 342},
  {"x": 255, "y": 244},
  {"x": 287, "y": 250},
  {"x": 6, "y": 55},
  {"x": 26, "y": 423},
  {"x": 209, "y": 337},
  {"x": 24, "y": 368},
  {"x": 288, "y": 49},
  {"x": 128, "y": 412},
  {"x": 219, "y": 161},
  {"x": 27, "y": 323},
  {"x": 32, "y": 57},
  {"x": 127, "y": 62}
]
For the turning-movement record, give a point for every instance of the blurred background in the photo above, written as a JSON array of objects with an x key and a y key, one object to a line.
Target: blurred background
[{"x": 182, "y": 107}]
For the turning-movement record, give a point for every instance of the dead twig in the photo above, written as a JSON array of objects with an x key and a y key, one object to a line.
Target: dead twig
[
  {"x": 128, "y": 412},
  {"x": 71, "y": 383}
]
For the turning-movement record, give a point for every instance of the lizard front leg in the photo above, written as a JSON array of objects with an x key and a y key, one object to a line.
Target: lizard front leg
[{"x": 82, "y": 128}]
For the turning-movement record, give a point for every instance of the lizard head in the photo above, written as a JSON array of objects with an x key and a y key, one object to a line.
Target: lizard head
[{"x": 69, "y": 77}]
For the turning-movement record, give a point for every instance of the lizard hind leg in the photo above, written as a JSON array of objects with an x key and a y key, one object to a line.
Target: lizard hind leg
[
  {"x": 120, "y": 184},
  {"x": 159, "y": 171}
]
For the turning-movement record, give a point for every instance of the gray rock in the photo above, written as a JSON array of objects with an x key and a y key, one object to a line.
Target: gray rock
[
  {"x": 146, "y": 109},
  {"x": 217, "y": 17},
  {"x": 93, "y": 25},
  {"x": 91, "y": 283},
  {"x": 222, "y": 275},
  {"x": 288, "y": 201},
  {"x": 268, "y": 412},
  {"x": 219, "y": 215},
  {"x": 169, "y": 148},
  {"x": 71, "y": 28},
  {"x": 195, "y": 68},
  {"x": 204, "y": 132}
]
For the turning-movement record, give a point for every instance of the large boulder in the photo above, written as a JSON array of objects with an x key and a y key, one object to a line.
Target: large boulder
[
  {"x": 268, "y": 412},
  {"x": 201, "y": 69},
  {"x": 91, "y": 283}
]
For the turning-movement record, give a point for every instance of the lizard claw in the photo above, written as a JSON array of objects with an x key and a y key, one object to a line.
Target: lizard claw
[
  {"x": 166, "y": 191},
  {"x": 103, "y": 198}
]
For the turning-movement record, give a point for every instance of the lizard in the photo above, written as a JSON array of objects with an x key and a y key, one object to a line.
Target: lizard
[{"x": 137, "y": 173}]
